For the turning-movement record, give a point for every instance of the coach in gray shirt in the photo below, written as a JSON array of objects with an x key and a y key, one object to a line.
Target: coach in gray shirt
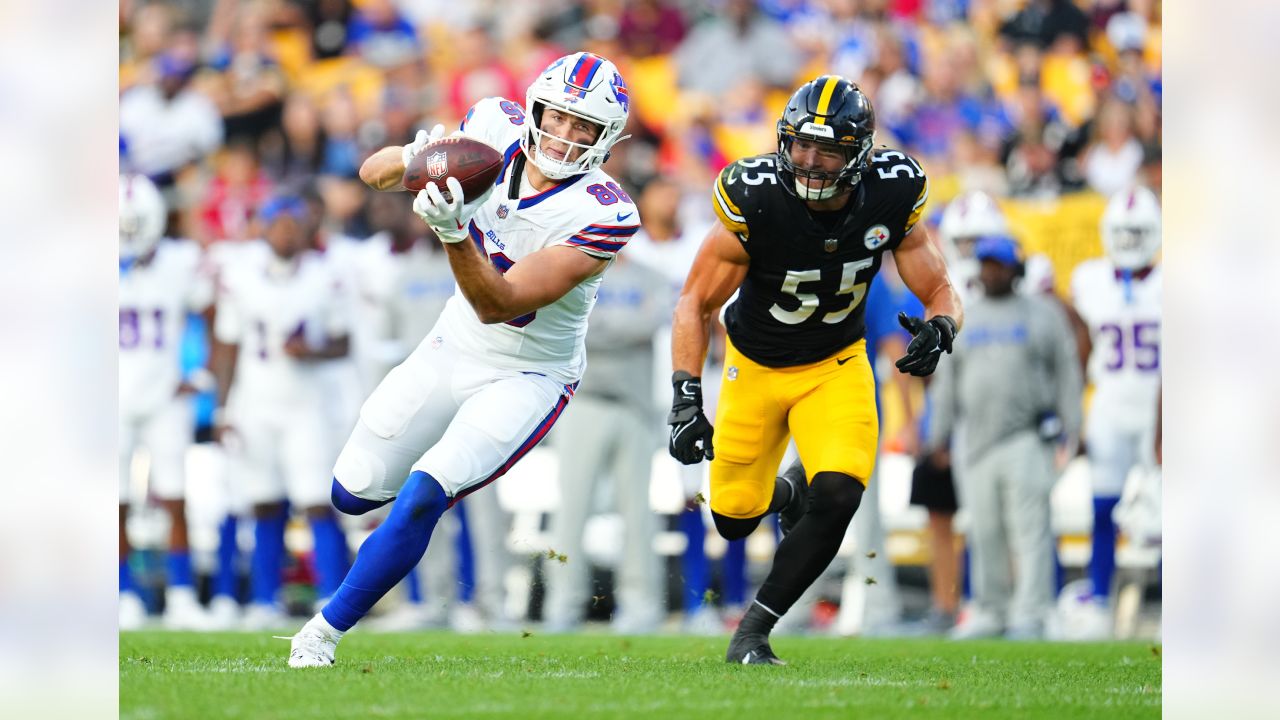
[
  {"x": 611, "y": 429},
  {"x": 1014, "y": 386}
]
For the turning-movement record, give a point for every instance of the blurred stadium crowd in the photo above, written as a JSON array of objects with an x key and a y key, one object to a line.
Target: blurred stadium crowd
[{"x": 249, "y": 114}]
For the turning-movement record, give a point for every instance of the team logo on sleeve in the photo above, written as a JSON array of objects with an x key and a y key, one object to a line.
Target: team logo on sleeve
[
  {"x": 437, "y": 165},
  {"x": 875, "y": 237}
]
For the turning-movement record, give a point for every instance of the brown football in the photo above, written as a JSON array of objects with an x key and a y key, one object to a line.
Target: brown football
[{"x": 474, "y": 164}]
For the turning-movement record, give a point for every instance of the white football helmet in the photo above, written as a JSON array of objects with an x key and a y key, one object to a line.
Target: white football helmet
[
  {"x": 142, "y": 217},
  {"x": 585, "y": 85},
  {"x": 1131, "y": 228},
  {"x": 968, "y": 217}
]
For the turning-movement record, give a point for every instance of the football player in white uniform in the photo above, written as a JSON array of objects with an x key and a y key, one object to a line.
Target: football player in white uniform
[
  {"x": 968, "y": 217},
  {"x": 278, "y": 306},
  {"x": 160, "y": 283},
  {"x": 1119, "y": 296},
  {"x": 404, "y": 283},
  {"x": 495, "y": 372}
]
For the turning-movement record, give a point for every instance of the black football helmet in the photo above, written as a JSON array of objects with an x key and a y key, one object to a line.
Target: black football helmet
[{"x": 828, "y": 110}]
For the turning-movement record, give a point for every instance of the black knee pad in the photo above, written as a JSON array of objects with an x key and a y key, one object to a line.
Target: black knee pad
[
  {"x": 835, "y": 495},
  {"x": 734, "y": 528}
]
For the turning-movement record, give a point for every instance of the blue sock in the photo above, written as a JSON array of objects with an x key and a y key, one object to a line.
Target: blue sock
[
  {"x": 390, "y": 552},
  {"x": 466, "y": 557},
  {"x": 267, "y": 563},
  {"x": 693, "y": 564},
  {"x": 966, "y": 578},
  {"x": 349, "y": 504},
  {"x": 413, "y": 586},
  {"x": 180, "y": 574},
  {"x": 126, "y": 578},
  {"x": 1102, "y": 563},
  {"x": 1059, "y": 573},
  {"x": 332, "y": 560},
  {"x": 734, "y": 569},
  {"x": 226, "y": 582}
]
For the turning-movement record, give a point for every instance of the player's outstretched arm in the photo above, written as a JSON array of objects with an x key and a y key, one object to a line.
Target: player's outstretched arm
[
  {"x": 384, "y": 169},
  {"x": 924, "y": 271},
  {"x": 717, "y": 272},
  {"x": 538, "y": 280}
]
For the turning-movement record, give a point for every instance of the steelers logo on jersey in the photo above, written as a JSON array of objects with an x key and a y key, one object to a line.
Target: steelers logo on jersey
[{"x": 876, "y": 236}]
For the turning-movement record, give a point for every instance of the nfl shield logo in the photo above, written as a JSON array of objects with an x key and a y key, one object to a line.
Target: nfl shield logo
[
  {"x": 875, "y": 237},
  {"x": 437, "y": 165},
  {"x": 830, "y": 244},
  {"x": 502, "y": 211}
]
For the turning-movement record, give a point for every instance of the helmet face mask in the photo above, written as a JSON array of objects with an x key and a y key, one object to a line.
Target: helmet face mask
[
  {"x": 822, "y": 184},
  {"x": 585, "y": 86},
  {"x": 1131, "y": 228},
  {"x": 832, "y": 116},
  {"x": 142, "y": 217}
]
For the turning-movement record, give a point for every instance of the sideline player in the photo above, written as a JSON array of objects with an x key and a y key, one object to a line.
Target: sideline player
[
  {"x": 1119, "y": 296},
  {"x": 160, "y": 283},
  {"x": 498, "y": 368},
  {"x": 801, "y": 236},
  {"x": 282, "y": 317}
]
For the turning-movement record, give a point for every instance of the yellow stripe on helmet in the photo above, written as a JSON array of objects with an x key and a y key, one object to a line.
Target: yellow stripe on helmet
[{"x": 824, "y": 100}]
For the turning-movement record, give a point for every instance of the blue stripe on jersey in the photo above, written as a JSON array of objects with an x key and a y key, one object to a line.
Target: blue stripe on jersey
[
  {"x": 476, "y": 236},
  {"x": 602, "y": 245},
  {"x": 558, "y": 187},
  {"x": 614, "y": 230},
  {"x": 507, "y": 157},
  {"x": 530, "y": 442}
]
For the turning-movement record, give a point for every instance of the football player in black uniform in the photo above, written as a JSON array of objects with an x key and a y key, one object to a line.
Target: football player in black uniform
[{"x": 800, "y": 236}]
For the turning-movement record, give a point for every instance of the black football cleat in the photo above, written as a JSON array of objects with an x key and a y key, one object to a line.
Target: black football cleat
[
  {"x": 791, "y": 513},
  {"x": 751, "y": 650}
]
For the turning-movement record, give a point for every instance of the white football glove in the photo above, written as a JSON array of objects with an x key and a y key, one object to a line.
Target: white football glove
[
  {"x": 421, "y": 140},
  {"x": 448, "y": 218}
]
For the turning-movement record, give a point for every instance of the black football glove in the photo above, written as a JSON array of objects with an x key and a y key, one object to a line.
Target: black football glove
[
  {"x": 929, "y": 340},
  {"x": 690, "y": 429}
]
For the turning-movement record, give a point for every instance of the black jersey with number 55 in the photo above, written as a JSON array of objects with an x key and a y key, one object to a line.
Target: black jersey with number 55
[{"x": 802, "y": 298}]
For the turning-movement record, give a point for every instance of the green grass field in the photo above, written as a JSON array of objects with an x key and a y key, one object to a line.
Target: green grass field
[{"x": 441, "y": 675}]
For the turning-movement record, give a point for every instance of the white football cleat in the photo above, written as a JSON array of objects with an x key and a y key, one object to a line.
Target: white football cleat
[
  {"x": 312, "y": 647},
  {"x": 977, "y": 625},
  {"x": 224, "y": 613},
  {"x": 182, "y": 610},
  {"x": 466, "y": 618},
  {"x": 261, "y": 616},
  {"x": 133, "y": 613}
]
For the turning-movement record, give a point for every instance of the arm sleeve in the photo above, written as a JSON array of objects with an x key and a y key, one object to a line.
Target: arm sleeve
[
  {"x": 493, "y": 121},
  {"x": 917, "y": 208},
  {"x": 606, "y": 236},
  {"x": 728, "y": 208}
]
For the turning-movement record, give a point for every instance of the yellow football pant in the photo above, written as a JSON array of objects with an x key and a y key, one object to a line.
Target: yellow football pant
[{"x": 828, "y": 406}]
